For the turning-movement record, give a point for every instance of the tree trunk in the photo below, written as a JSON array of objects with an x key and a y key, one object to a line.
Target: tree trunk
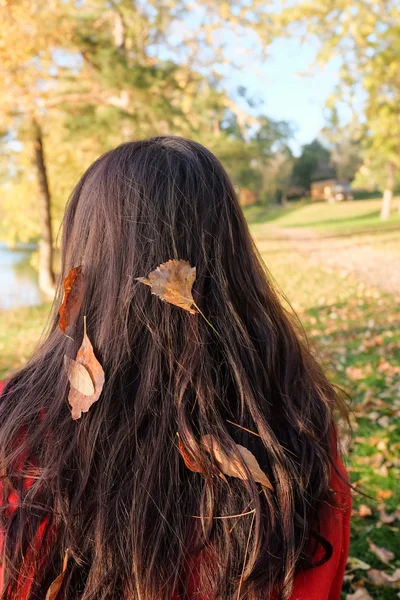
[
  {"x": 46, "y": 273},
  {"x": 388, "y": 193}
]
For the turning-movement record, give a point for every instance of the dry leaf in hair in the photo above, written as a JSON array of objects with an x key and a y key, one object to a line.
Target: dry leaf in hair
[
  {"x": 359, "y": 594},
  {"x": 79, "y": 377},
  {"x": 230, "y": 465},
  {"x": 172, "y": 281},
  {"x": 384, "y": 580},
  {"x": 190, "y": 463},
  {"x": 78, "y": 401},
  {"x": 382, "y": 553},
  {"x": 55, "y": 587},
  {"x": 73, "y": 296}
]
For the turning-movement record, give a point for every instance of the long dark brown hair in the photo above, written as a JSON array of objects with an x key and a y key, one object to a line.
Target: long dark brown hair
[{"x": 112, "y": 487}]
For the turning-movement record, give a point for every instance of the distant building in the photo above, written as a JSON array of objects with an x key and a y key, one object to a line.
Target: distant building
[
  {"x": 331, "y": 190},
  {"x": 246, "y": 197}
]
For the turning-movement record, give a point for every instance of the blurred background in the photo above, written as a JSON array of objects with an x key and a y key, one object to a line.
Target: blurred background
[{"x": 301, "y": 102}]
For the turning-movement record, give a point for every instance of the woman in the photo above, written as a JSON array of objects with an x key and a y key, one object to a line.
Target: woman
[{"x": 139, "y": 512}]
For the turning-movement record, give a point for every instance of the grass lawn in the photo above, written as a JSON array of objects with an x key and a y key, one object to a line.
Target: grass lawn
[
  {"x": 358, "y": 217},
  {"x": 20, "y": 330},
  {"x": 355, "y": 331}
]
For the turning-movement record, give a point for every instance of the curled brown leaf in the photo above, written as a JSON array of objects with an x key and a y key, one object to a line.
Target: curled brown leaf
[
  {"x": 73, "y": 296},
  {"x": 79, "y": 377},
  {"x": 231, "y": 466},
  {"x": 360, "y": 594},
  {"x": 79, "y": 401},
  {"x": 382, "y": 553},
  {"x": 383, "y": 579},
  {"x": 190, "y": 463},
  {"x": 55, "y": 587}
]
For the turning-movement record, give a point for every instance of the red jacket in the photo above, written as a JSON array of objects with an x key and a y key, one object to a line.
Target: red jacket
[{"x": 321, "y": 583}]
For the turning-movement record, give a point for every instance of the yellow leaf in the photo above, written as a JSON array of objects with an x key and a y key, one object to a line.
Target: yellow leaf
[{"x": 172, "y": 281}]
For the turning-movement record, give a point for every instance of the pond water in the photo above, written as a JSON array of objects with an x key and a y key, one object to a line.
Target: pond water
[{"x": 18, "y": 279}]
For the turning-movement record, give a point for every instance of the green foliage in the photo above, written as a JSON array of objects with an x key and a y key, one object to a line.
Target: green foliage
[
  {"x": 96, "y": 74},
  {"x": 311, "y": 165},
  {"x": 365, "y": 37}
]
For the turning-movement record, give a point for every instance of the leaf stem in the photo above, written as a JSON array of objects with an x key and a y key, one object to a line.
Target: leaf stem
[
  {"x": 84, "y": 325},
  {"x": 206, "y": 320}
]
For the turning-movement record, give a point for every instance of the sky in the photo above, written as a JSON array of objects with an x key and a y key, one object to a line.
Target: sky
[{"x": 286, "y": 94}]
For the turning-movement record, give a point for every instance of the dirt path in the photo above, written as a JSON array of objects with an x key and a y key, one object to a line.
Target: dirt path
[{"x": 375, "y": 261}]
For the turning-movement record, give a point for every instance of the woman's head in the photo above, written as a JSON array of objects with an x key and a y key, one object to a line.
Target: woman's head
[{"x": 112, "y": 486}]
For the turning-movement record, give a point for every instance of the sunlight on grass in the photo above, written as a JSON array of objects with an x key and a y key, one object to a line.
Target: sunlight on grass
[
  {"x": 355, "y": 331},
  {"x": 321, "y": 216},
  {"x": 20, "y": 330}
]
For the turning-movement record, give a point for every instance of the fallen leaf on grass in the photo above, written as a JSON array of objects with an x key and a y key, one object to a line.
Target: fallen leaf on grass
[
  {"x": 384, "y": 494},
  {"x": 55, "y": 587},
  {"x": 172, "y": 281},
  {"x": 231, "y": 466},
  {"x": 383, "y": 554},
  {"x": 80, "y": 402},
  {"x": 364, "y": 511},
  {"x": 360, "y": 594},
  {"x": 354, "y": 373},
  {"x": 384, "y": 580},
  {"x": 353, "y": 563},
  {"x": 384, "y": 421},
  {"x": 73, "y": 296},
  {"x": 384, "y": 517}
]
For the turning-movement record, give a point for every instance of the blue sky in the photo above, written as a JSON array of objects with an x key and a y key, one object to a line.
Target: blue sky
[{"x": 286, "y": 94}]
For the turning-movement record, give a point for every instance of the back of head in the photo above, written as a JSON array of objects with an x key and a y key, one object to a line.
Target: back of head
[{"x": 112, "y": 487}]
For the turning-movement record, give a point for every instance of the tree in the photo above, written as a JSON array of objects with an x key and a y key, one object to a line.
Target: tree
[
  {"x": 313, "y": 163},
  {"x": 345, "y": 144},
  {"x": 145, "y": 68},
  {"x": 365, "y": 36}
]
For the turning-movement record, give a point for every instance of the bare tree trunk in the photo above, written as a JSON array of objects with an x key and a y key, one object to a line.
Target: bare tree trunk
[
  {"x": 46, "y": 273},
  {"x": 388, "y": 193},
  {"x": 119, "y": 32}
]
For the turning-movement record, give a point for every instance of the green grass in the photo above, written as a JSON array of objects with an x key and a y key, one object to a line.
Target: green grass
[
  {"x": 356, "y": 216},
  {"x": 355, "y": 331},
  {"x": 20, "y": 330}
]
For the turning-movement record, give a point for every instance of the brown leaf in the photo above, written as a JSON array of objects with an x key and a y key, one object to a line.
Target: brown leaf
[
  {"x": 384, "y": 494},
  {"x": 384, "y": 580},
  {"x": 191, "y": 464},
  {"x": 73, "y": 296},
  {"x": 79, "y": 377},
  {"x": 382, "y": 553},
  {"x": 364, "y": 511},
  {"x": 172, "y": 281},
  {"x": 78, "y": 401},
  {"x": 55, "y": 587},
  {"x": 359, "y": 594},
  {"x": 384, "y": 517},
  {"x": 231, "y": 466}
]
